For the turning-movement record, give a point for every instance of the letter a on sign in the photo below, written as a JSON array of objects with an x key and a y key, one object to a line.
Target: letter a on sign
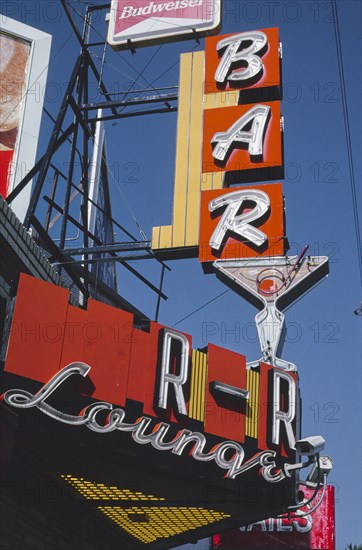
[
  {"x": 257, "y": 116},
  {"x": 243, "y": 138}
]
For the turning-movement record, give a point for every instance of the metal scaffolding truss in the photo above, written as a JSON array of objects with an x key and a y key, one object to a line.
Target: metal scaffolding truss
[{"x": 78, "y": 136}]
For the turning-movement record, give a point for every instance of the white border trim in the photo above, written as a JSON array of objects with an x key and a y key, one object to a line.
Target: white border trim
[
  {"x": 166, "y": 34},
  {"x": 95, "y": 172},
  {"x": 29, "y": 127}
]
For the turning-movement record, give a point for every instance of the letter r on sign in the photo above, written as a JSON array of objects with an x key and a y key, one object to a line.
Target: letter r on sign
[
  {"x": 278, "y": 415},
  {"x": 176, "y": 380}
]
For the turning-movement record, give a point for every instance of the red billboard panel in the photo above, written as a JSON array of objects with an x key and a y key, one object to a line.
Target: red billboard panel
[
  {"x": 312, "y": 531},
  {"x": 244, "y": 61},
  {"x": 242, "y": 222}
]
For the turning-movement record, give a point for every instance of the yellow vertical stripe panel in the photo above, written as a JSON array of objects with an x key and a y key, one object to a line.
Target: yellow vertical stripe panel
[
  {"x": 252, "y": 405},
  {"x": 198, "y": 386},
  {"x": 249, "y": 409},
  {"x": 206, "y": 181},
  {"x": 203, "y": 386},
  {"x": 218, "y": 180},
  {"x": 191, "y": 411},
  {"x": 253, "y": 394},
  {"x": 162, "y": 237},
  {"x": 212, "y": 180},
  {"x": 184, "y": 231},
  {"x": 195, "y": 151},
  {"x": 208, "y": 101},
  {"x": 166, "y": 236},
  {"x": 233, "y": 99},
  {"x": 156, "y": 237},
  {"x": 221, "y": 99},
  {"x": 182, "y": 150}
]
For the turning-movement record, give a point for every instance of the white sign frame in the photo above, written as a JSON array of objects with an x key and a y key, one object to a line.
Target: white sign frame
[
  {"x": 169, "y": 32},
  {"x": 99, "y": 159},
  {"x": 33, "y": 99}
]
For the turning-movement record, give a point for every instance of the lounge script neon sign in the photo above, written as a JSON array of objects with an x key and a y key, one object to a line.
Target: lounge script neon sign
[{"x": 234, "y": 465}]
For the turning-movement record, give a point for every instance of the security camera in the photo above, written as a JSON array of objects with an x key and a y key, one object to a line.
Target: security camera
[
  {"x": 320, "y": 469},
  {"x": 310, "y": 446}
]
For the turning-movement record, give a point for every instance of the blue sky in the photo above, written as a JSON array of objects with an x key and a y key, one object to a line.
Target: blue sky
[{"x": 324, "y": 334}]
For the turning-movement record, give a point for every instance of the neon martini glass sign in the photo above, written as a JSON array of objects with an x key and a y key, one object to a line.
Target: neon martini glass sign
[{"x": 272, "y": 284}]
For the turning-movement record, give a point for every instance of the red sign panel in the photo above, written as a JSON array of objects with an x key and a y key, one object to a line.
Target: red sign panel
[
  {"x": 155, "y": 367},
  {"x": 246, "y": 137},
  {"x": 160, "y": 20},
  {"x": 220, "y": 420},
  {"x": 230, "y": 58},
  {"x": 311, "y": 531},
  {"x": 242, "y": 222}
]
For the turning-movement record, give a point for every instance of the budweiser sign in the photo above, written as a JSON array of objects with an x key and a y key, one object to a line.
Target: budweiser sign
[{"x": 142, "y": 21}]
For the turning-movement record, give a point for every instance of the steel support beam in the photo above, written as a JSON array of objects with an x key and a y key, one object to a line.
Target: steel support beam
[
  {"x": 124, "y": 263},
  {"x": 135, "y": 113},
  {"x": 51, "y": 146},
  {"x": 106, "y": 248},
  {"x": 24, "y": 182},
  {"x": 128, "y": 102}
]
